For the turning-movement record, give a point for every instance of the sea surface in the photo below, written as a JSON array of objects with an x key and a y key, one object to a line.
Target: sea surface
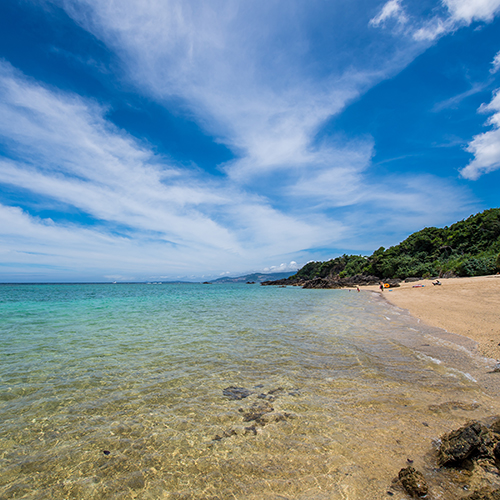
[{"x": 124, "y": 391}]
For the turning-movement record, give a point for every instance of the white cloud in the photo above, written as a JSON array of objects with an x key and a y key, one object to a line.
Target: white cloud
[
  {"x": 282, "y": 268},
  {"x": 153, "y": 217},
  {"x": 221, "y": 59},
  {"x": 458, "y": 13},
  {"x": 468, "y": 11},
  {"x": 83, "y": 160},
  {"x": 495, "y": 63},
  {"x": 485, "y": 147},
  {"x": 391, "y": 10},
  {"x": 432, "y": 29},
  {"x": 66, "y": 151},
  {"x": 340, "y": 180},
  {"x": 262, "y": 102}
]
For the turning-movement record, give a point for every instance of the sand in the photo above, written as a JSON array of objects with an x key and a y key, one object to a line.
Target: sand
[{"x": 465, "y": 306}]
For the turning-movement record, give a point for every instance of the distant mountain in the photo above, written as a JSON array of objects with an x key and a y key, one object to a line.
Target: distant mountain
[{"x": 255, "y": 277}]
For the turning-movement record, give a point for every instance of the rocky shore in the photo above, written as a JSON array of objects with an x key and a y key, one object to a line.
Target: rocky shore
[{"x": 332, "y": 281}]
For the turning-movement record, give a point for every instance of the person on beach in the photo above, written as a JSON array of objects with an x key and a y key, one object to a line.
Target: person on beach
[
  {"x": 357, "y": 288},
  {"x": 381, "y": 287}
]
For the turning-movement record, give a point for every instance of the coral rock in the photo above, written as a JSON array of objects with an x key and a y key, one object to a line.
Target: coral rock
[{"x": 413, "y": 482}]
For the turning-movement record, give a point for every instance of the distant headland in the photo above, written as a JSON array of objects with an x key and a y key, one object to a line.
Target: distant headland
[{"x": 470, "y": 247}]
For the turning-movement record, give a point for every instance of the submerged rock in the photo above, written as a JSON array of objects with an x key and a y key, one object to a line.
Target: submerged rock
[
  {"x": 454, "y": 405},
  {"x": 225, "y": 434},
  {"x": 272, "y": 394},
  {"x": 135, "y": 481},
  {"x": 486, "y": 493},
  {"x": 236, "y": 392},
  {"x": 413, "y": 482},
  {"x": 274, "y": 391},
  {"x": 256, "y": 412},
  {"x": 251, "y": 430},
  {"x": 271, "y": 417}
]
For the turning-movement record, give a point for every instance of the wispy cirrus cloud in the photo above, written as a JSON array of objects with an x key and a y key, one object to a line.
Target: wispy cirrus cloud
[
  {"x": 62, "y": 148},
  {"x": 392, "y": 10},
  {"x": 252, "y": 76},
  {"x": 249, "y": 75},
  {"x": 455, "y": 100}
]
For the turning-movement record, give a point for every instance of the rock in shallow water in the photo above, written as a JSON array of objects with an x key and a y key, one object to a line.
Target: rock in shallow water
[
  {"x": 135, "y": 481},
  {"x": 413, "y": 482},
  {"x": 257, "y": 411},
  {"x": 486, "y": 493},
  {"x": 225, "y": 434},
  {"x": 236, "y": 392},
  {"x": 472, "y": 439}
]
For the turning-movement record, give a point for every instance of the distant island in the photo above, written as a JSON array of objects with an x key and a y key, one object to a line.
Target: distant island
[
  {"x": 254, "y": 278},
  {"x": 470, "y": 247}
]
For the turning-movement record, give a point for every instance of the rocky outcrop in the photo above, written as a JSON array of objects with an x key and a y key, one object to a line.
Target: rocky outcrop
[
  {"x": 448, "y": 274},
  {"x": 473, "y": 440},
  {"x": 284, "y": 282},
  {"x": 333, "y": 281}
]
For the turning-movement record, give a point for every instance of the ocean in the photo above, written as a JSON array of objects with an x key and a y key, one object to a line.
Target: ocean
[{"x": 232, "y": 391}]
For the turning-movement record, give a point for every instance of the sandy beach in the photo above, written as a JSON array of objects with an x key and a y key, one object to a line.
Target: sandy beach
[{"x": 465, "y": 306}]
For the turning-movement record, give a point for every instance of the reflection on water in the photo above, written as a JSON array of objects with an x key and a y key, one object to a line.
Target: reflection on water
[{"x": 117, "y": 392}]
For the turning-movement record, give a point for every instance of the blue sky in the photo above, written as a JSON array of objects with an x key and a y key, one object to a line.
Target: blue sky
[{"x": 180, "y": 139}]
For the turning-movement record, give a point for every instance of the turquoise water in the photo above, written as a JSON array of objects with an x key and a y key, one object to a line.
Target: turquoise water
[{"x": 116, "y": 391}]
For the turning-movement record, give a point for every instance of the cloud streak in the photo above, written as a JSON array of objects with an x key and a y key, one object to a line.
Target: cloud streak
[
  {"x": 391, "y": 10},
  {"x": 258, "y": 96}
]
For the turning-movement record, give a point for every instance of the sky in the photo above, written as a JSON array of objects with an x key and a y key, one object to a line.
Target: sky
[{"x": 184, "y": 140}]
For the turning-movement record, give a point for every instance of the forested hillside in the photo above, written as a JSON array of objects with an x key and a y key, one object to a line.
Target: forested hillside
[{"x": 470, "y": 247}]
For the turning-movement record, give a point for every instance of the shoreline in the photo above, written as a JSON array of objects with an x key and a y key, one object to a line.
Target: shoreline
[{"x": 465, "y": 306}]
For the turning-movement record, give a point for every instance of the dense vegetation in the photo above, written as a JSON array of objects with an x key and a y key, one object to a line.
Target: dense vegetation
[{"x": 470, "y": 247}]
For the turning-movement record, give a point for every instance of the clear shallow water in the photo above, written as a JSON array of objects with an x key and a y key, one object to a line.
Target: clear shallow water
[{"x": 116, "y": 391}]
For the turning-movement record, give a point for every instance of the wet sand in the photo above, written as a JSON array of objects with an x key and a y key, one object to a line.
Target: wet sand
[{"x": 464, "y": 306}]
